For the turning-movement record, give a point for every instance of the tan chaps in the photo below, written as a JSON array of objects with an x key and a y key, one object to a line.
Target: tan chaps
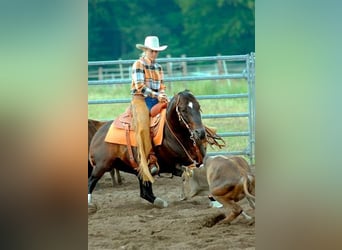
[{"x": 141, "y": 125}]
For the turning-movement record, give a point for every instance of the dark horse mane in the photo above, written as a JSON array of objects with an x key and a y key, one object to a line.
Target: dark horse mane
[{"x": 184, "y": 143}]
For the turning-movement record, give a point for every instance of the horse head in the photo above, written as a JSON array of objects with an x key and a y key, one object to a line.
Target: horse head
[
  {"x": 184, "y": 116},
  {"x": 188, "y": 113}
]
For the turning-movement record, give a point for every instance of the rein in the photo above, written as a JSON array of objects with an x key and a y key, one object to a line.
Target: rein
[{"x": 181, "y": 119}]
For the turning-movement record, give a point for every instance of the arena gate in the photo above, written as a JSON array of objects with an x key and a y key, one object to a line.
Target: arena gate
[{"x": 186, "y": 69}]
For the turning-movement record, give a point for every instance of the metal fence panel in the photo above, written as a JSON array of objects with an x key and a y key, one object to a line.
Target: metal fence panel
[{"x": 247, "y": 73}]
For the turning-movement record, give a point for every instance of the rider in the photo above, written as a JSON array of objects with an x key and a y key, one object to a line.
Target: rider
[{"x": 147, "y": 90}]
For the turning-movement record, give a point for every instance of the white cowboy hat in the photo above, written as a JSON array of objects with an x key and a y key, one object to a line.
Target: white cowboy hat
[{"x": 151, "y": 42}]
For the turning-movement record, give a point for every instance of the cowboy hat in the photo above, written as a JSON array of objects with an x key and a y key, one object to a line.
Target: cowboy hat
[{"x": 151, "y": 42}]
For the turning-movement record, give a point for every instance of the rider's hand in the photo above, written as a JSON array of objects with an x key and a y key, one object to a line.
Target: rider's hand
[{"x": 162, "y": 97}]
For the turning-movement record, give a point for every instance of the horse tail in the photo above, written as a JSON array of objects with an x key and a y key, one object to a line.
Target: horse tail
[
  {"x": 144, "y": 171},
  {"x": 91, "y": 161}
]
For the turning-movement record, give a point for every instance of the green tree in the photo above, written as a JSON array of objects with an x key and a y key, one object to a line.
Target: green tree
[
  {"x": 219, "y": 26},
  {"x": 115, "y": 26},
  {"x": 191, "y": 27}
]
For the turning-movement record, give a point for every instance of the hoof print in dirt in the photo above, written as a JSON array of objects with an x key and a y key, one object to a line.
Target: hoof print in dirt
[
  {"x": 92, "y": 208},
  {"x": 251, "y": 222},
  {"x": 212, "y": 221}
]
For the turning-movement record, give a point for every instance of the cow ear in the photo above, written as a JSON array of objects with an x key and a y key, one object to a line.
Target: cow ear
[{"x": 188, "y": 172}]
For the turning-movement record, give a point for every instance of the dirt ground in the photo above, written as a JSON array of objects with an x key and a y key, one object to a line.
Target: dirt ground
[{"x": 123, "y": 220}]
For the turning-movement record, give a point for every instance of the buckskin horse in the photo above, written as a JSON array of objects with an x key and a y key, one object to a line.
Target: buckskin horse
[{"x": 184, "y": 143}]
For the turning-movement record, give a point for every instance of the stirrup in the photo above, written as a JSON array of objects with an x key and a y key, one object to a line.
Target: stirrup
[
  {"x": 153, "y": 169},
  {"x": 153, "y": 164}
]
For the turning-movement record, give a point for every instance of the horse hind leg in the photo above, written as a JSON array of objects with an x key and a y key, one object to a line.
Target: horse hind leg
[
  {"x": 118, "y": 180},
  {"x": 93, "y": 179},
  {"x": 90, "y": 169},
  {"x": 118, "y": 176}
]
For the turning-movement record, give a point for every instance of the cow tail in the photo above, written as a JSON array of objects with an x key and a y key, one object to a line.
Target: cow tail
[{"x": 245, "y": 187}]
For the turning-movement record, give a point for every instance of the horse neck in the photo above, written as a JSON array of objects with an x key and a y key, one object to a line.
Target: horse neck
[
  {"x": 178, "y": 137},
  {"x": 177, "y": 128}
]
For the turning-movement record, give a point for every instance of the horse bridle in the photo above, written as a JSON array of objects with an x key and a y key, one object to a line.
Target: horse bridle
[{"x": 181, "y": 119}]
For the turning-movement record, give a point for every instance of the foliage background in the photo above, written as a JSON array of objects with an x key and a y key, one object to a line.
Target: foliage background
[{"x": 191, "y": 27}]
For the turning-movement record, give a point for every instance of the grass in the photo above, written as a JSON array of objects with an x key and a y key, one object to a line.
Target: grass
[{"x": 219, "y": 106}]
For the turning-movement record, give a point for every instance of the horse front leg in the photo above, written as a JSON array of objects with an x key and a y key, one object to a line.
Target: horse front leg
[{"x": 146, "y": 193}]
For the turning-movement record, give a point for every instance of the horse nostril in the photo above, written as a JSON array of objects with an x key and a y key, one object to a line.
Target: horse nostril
[{"x": 200, "y": 133}]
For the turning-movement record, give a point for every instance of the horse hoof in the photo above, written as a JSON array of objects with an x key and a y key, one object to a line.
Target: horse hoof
[
  {"x": 92, "y": 208},
  {"x": 160, "y": 203}
]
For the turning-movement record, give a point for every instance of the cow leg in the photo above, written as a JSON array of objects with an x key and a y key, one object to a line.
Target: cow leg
[
  {"x": 251, "y": 202},
  {"x": 246, "y": 215},
  {"x": 146, "y": 193},
  {"x": 236, "y": 210}
]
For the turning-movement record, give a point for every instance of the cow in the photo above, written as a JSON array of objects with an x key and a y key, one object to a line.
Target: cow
[{"x": 227, "y": 179}]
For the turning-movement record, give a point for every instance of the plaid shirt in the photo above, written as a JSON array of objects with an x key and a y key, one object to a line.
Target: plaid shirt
[{"x": 146, "y": 74}]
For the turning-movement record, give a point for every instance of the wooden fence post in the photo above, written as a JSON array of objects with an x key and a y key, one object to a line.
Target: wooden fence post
[
  {"x": 219, "y": 66},
  {"x": 121, "y": 70},
  {"x": 184, "y": 66},
  {"x": 100, "y": 73},
  {"x": 222, "y": 69}
]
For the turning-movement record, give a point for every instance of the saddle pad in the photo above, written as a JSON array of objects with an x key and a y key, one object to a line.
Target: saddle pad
[{"x": 118, "y": 135}]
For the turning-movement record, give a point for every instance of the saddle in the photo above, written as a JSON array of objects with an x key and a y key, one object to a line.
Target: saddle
[
  {"x": 121, "y": 130},
  {"x": 124, "y": 121}
]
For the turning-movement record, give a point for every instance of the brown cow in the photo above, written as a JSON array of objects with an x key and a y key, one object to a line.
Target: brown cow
[
  {"x": 227, "y": 179},
  {"x": 93, "y": 126}
]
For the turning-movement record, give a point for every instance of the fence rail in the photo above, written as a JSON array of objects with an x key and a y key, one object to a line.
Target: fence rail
[{"x": 180, "y": 59}]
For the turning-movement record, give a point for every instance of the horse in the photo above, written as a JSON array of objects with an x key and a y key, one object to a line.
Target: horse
[
  {"x": 184, "y": 143},
  {"x": 93, "y": 126}
]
